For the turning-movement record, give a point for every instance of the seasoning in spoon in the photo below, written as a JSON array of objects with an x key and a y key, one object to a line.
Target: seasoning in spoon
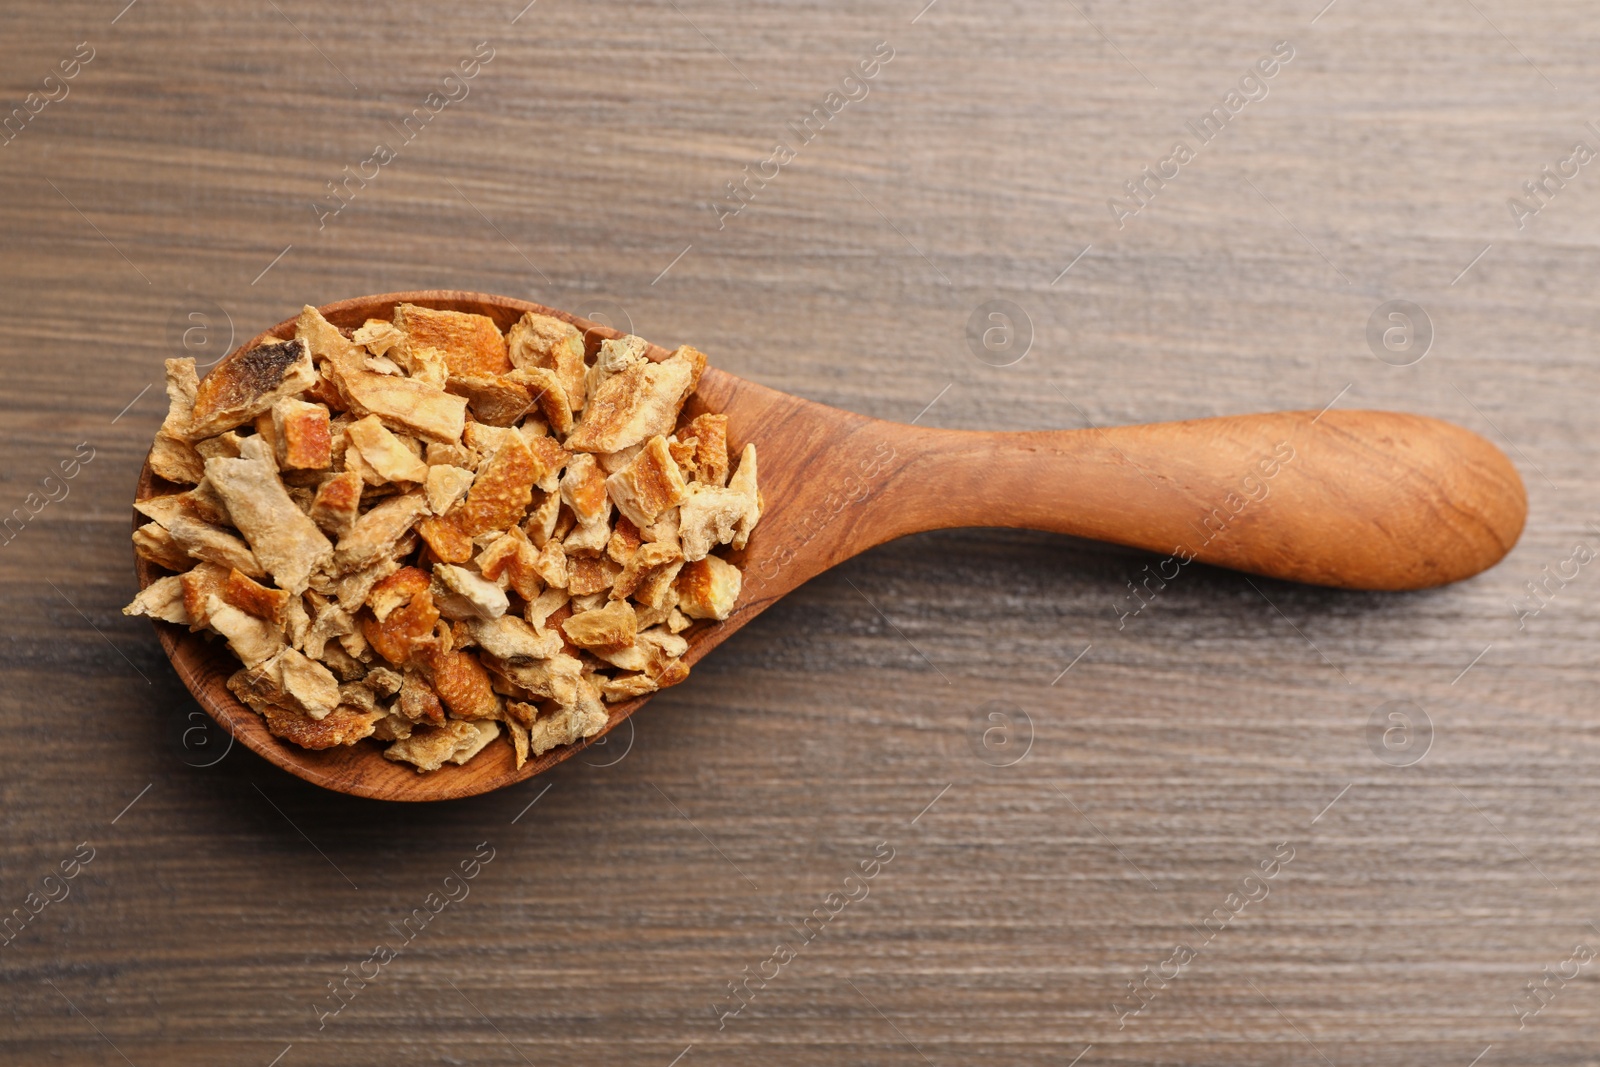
[{"x": 429, "y": 533}]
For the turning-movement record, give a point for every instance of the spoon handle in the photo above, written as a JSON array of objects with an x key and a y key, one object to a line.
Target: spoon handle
[{"x": 1354, "y": 499}]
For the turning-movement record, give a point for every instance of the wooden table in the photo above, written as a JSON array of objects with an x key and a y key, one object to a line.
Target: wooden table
[{"x": 1068, "y": 794}]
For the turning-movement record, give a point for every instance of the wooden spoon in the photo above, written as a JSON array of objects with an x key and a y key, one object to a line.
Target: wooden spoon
[{"x": 1353, "y": 499}]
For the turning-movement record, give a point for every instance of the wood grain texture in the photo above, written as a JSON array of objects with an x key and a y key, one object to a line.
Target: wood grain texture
[{"x": 1160, "y": 769}]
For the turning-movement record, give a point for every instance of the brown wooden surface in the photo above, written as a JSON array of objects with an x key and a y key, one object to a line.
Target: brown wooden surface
[{"x": 1164, "y": 765}]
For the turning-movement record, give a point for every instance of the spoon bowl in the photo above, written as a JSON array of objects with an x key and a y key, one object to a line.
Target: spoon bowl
[{"x": 1351, "y": 499}]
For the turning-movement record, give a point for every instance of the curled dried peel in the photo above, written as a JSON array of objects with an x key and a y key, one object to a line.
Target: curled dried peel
[
  {"x": 248, "y": 383},
  {"x": 405, "y": 631},
  {"x": 429, "y": 748},
  {"x": 172, "y": 456},
  {"x": 637, "y": 403},
  {"x": 512, "y": 562},
  {"x": 469, "y": 344},
  {"x": 337, "y": 503},
  {"x": 649, "y": 485},
  {"x": 502, "y": 491},
  {"x": 343, "y": 726},
  {"x": 464, "y": 594},
  {"x": 396, "y": 590},
  {"x": 541, "y": 341},
  {"x": 708, "y": 588},
  {"x": 612, "y": 627},
  {"x": 285, "y": 541},
  {"x": 493, "y": 399},
  {"x": 384, "y": 453},
  {"x": 463, "y": 685},
  {"x": 303, "y": 435},
  {"x": 251, "y": 596}
]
